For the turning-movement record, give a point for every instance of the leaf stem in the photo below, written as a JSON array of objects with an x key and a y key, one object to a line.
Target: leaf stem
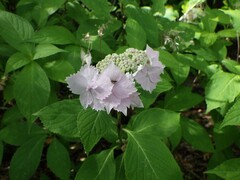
[{"x": 119, "y": 127}]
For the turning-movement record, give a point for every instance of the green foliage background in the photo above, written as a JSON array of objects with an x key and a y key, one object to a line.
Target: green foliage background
[{"x": 44, "y": 131}]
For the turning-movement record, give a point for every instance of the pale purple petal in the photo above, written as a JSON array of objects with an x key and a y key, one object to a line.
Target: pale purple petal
[
  {"x": 113, "y": 72},
  {"x": 86, "y": 99},
  {"x": 132, "y": 101},
  {"x": 76, "y": 83},
  {"x": 136, "y": 101},
  {"x": 103, "y": 87},
  {"x": 123, "y": 87},
  {"x": 111, "y": 102},
  {"x": 154, "y": 57},
  {"x": 154, "y": 74},
  {"x": 142, "y": 77}
]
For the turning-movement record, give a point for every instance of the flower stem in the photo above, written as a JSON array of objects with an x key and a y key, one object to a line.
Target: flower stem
[{"x": 119, "y": 127}]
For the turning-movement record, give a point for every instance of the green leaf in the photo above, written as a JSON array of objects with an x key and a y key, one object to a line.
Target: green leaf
[
  {"x": 45, "y": 50},
  {"x": 15, "y": 30},
  {"x": 232, "y": 118},
  {"x": 194, "y": 61},
  {"x": 16, "y": 61},
  {"x": 158, "y": 6},
  {"x": 222, "y": 88},
  {"x": 156, "y": 121},
  {"x": 234, "y": 14},
  {"x": 98, "y": 166},
  {"x": 146, "y": 21},
  {"x": 225, "y": 137},
  {"x": 227, "y": 33},
  {"x": 73, "y": 56},
  {"x": 58, "y": 70},
  {"x": 176, "y": 137},
  {"x": 136, "y": 36},
  {"x": 120, "y": 171},
  {"x": 231, "y": 65},
  {"x": 44, "y": 9},
  {"x": 216, "y": 159},
  {"x": 31, "y": 90},
  {"x": 196, "y": 135},
  {"x": 18, "y": 133},
  {"x": 92, "y": 125},
  {"x": 179, "y": 71},
  {"x": 147, "y": 157},
  {"x": 229, "y": 170},
  {"x": 11, "y": 115},
  {"x": 101, "y": 8},
  {"x": 149, "y": 98},
  {"x": 207, "y": 38},
  {"x": 61, "y": 117},
  {"x": 174, "y": 99},
  {"x": 54, "y": 35},
  {"x": 1, "y": 151},
  {"x": 58, "y": 160},
  {"x": 26, "y": 159}
]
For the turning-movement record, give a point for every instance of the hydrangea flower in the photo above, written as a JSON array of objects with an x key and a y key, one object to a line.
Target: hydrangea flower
[{"x": 110, "y": 85}]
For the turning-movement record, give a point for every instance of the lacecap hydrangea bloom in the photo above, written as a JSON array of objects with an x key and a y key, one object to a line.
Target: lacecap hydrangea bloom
[{"x": 111, "y": 84}]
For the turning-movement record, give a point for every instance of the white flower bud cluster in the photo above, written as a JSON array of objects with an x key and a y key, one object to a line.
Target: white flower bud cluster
[{"x": 129, "y": 61}]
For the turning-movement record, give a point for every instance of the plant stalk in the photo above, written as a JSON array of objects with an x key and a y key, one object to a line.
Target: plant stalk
[{"x": 119, "y": 127}]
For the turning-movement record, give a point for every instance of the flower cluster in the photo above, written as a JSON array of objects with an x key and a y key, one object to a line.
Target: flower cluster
[{"x": 110, "y": 85}]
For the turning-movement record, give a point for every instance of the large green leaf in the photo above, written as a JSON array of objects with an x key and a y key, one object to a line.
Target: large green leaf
[
  {"x": 92, "y": 125},
  {"x": 54, "y": 35},
  {"x": 146, "y": 21},
  {"x": 222, "y": 88},
  {"x": 232, "y": 118},
  {"x": 234, "y": 14},
  {"x": 179, "y": 71},
  {"x": 194, "y": 61},
  {"x": 18, "y": 133},
  {"x": 45, "y": 50},
  {"x": 58, "y": 160},
  {"x": 174, "y": 99},
  {"x": 26, "y": 159},
  {"x": 61, "y": 117},
  {"x": 147, "y": 157},
  {"x": 229, "y": 170},
  {"x": 136, "y": 36},
  {"x": 156, "y": 121},
  {"x": 31, "y": 90},
  {"x": 58, "y": 70},
  {"x": 44, "y": 8},
  {"x": 15, "y": 30},
  {"x": 196, "y": 135},
  {"x": 16, "y": 61},
  {"x": 99, "y": 166},
  {"x": 73, "y": 56}
]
